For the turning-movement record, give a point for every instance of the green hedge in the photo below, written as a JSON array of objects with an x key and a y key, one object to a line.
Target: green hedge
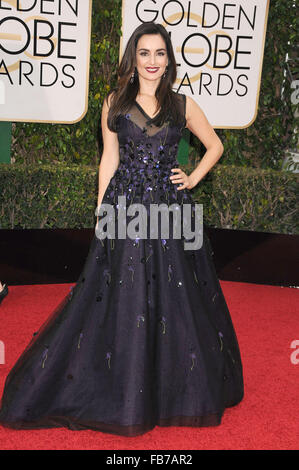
[
  {"x": 262, "y": 145},
  {"x": 64, "y": 196},
  {"x": 250, "y": 199}
]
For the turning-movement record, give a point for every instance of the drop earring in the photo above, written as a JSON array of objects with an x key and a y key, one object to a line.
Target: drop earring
[
  {"x": 132, "y": 79},
  {"x": 165, "y": 73}
]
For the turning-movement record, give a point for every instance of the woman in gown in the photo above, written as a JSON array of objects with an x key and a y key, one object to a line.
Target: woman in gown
[{"x": 145, "y": 337}]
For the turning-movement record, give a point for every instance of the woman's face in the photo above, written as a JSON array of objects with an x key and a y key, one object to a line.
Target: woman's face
[{"x": 151, "y": 57}]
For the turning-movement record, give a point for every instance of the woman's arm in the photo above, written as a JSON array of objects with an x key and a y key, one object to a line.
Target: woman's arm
[
  {"x": 198, "y": 124},
  {"x": 110, "y": 156}
]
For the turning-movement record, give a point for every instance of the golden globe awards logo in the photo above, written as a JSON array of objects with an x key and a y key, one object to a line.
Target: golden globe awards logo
[
  {"x": 44, "y": 60},
  {"x": 219, "y": 50}
]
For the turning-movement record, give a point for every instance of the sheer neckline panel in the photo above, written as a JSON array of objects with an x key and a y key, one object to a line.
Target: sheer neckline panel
[{"x": 145, "y": 113}]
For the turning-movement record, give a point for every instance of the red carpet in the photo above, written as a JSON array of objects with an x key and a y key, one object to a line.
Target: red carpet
[{"x": 266, "y": 321}]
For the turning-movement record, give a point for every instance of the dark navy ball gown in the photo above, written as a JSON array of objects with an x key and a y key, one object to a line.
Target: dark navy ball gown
[{"x": 145, "y": 336}]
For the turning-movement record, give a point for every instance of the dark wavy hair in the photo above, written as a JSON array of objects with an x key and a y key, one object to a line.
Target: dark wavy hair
[{"x": 124, "y": 95}]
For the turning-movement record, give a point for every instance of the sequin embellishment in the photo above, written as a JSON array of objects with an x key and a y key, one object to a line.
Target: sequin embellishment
[
  {"x": 140, "y": 318},
  {"x": 44, "y": 357},
  {"x": 107, "y": 274},
  {"x": 80, "y": 338},
  {"x": 163, "y": 323},
  {"x": 221, "y": 342},
  {"x": 108, "y": 357},
  {"x": 193, "y": 358}
]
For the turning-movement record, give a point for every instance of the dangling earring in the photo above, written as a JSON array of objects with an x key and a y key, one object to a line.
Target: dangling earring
[
  {"x": 166, "y": 70},
  {"x": 133, "y": 76}
]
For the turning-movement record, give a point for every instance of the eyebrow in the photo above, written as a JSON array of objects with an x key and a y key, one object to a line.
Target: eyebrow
[{"x": 147, "y": 50}]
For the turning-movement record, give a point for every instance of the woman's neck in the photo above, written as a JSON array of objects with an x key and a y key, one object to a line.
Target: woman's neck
[{"x": 147, "y": 88}]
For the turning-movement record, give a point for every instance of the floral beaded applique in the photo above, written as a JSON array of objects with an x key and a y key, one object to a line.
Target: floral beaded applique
[
  {"x": 193, "y": 359},
  {"x": 80, "y": 339},
  {"x": 45, "y": 356},
  {"x": 136, "y": 242},
  {"x": 221, "y": 341},
  {"x": 107, "y": 275},
  {"x": 163, "y": 323},
  {"x": 108, "y": 358},
  {"x": 150, "y": 253},
  {"x": 164, "y": 244},
  {"x": 140, "y": 318},
  {"x": 131, "y": 268}
]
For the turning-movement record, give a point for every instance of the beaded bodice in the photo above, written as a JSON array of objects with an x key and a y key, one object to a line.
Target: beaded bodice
[{"x": 147, "y": 155}]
